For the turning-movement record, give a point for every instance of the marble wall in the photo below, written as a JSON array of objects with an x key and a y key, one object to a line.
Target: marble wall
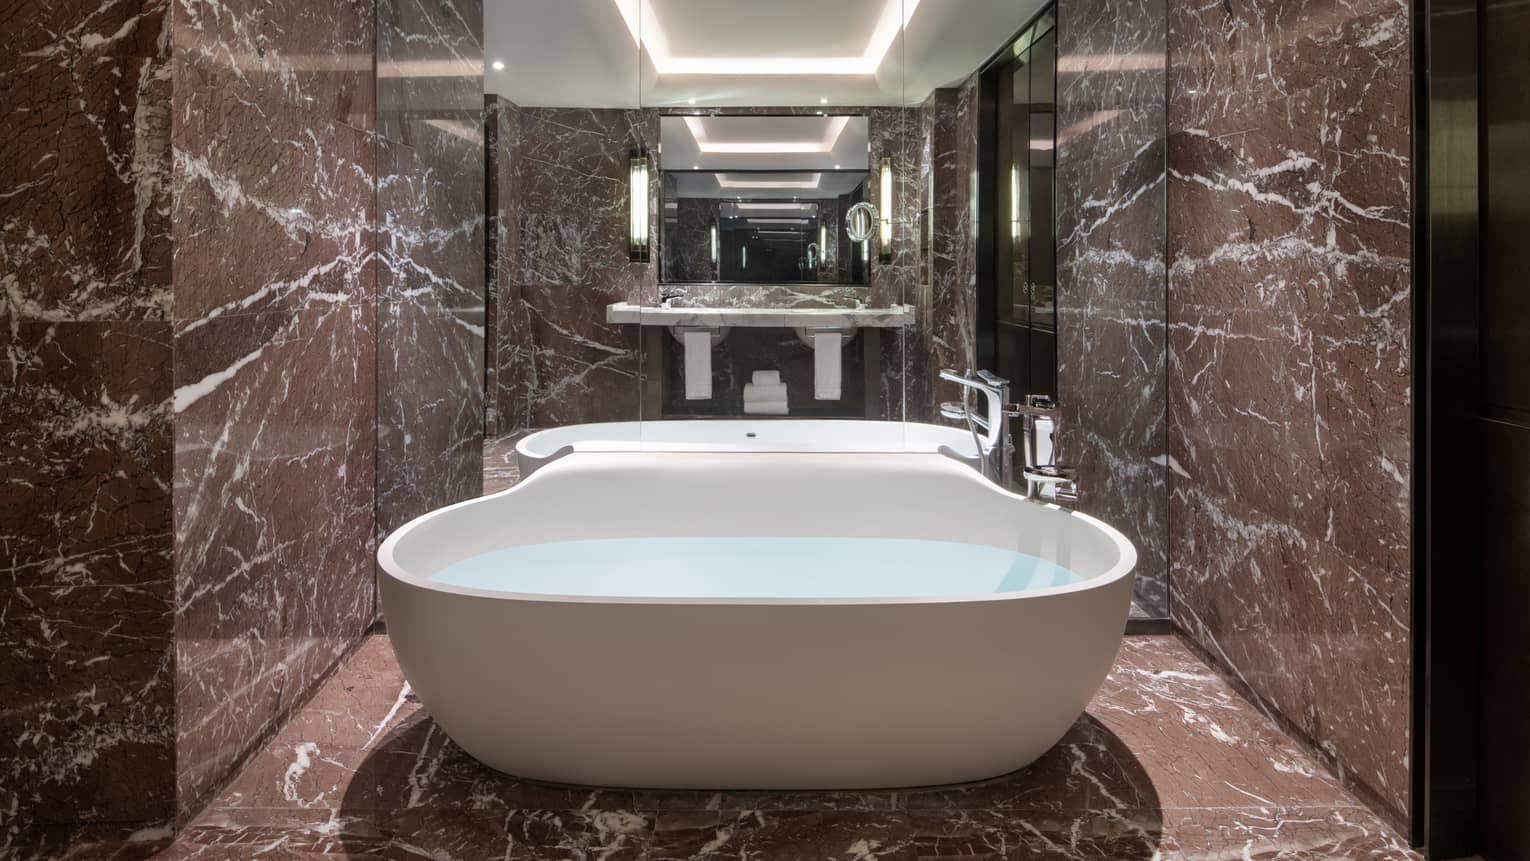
[
  {"x": 1289, "y": 309},
  {"x": 87, "y": 597},
  {"x": 947, "y": 295},
  {"x": 563, "y": 260},
  {"x": 189, "y": 232},
  {"x": 1111, "y": 308},
  {"x": 274, "y": 365},
  {"x": 430, "y": 257}
]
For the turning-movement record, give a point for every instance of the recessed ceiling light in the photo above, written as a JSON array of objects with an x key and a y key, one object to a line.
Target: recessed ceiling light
[
  {"x": 836, "y": 167},
  {"x": 695, "y": 167},
  {"x": 647, "y": 33},
  {"x": 498, "y": 65},
  {"x": 691, "y": 100},
  {"x": 823, "y": 101}
]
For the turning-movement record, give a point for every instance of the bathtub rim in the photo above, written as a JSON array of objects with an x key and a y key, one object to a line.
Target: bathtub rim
[
  {"x": 1124, "y": 566},
  {"x": 526, "y": 449}
]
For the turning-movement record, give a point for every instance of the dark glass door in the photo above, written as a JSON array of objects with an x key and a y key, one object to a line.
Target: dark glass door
[{"x": 1024, "y": 298}]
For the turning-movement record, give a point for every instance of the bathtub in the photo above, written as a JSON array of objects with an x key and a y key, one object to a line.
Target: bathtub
[
  {"x": 808, "y": 435},
  {"x": 703, "y": 690}
]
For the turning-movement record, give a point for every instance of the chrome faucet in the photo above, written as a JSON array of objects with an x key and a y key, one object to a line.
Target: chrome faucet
[
  {"x": 1040, "y": 417},
  {"x": 992, "y": 444}
]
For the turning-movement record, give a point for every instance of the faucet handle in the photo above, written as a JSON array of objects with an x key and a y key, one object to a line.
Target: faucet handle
[
  {"x": 1033, "y": 410},
  {"x": 1050, "y": 473},
  {"x": 992, "y": 379}
]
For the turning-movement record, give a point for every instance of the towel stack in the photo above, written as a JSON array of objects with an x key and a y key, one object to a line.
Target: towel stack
[{"x": 766, "y": 395}]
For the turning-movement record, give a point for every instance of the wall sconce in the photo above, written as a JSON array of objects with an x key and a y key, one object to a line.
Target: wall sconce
[
  {"x": 823, "y": 243},
  {"x": 884, "y": 245},
  {"x": 714, "y": 245},
  {"x": 637, "y": 213},
  {"x": 1014, "y": 203}
]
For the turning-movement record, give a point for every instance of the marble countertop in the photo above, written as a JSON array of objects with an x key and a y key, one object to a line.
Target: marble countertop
[{"x": 890, "y": 317}]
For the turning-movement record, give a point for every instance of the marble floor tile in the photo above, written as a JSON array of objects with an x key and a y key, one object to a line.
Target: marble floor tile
[{"x": 1168, "y": 763}]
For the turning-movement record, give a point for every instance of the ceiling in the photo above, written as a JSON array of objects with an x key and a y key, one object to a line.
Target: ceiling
[
  {"x": 727, "y": 53},
  {"x": 800, "y": 143}
]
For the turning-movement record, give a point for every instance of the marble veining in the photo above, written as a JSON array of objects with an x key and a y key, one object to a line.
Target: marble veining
[
  {"x": 1169, "y": 763},
  {"x": 431, "y": 278},
  {"x": 1289, "y": 321},
  {"x": 948, "y": 281},
  {"x": 1111, "y": 310},
  {"x": 274, "y": 366},
  {"x": 87, "y": 658}
]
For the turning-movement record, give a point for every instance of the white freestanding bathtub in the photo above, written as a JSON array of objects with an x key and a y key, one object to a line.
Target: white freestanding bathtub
[
  {"x": 696, "y": 681},
  {"x": 806, "y": 435}
]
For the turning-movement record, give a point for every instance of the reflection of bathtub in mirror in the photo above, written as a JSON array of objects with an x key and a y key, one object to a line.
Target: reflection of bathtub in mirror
[{"x": 760, "y": 620}]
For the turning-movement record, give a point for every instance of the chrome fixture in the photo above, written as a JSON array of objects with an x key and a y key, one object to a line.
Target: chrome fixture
[
  {"x": 861, "y": 221},
  {"x": 1040, "y": 417},
  {"x": 987, "y": 426}
]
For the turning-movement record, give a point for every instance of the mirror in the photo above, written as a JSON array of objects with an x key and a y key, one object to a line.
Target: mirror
[
  {"x": 761, "y": 199},
  {"x": 860, "y": 221}
]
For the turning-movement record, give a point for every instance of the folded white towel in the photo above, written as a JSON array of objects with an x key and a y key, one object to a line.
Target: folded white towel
[
  {"x": 698, "y": 365},
  {"x": 767, "y": 378},
  {"x": 765, "y": 408},
  {"x": 764, "y": 392},
  {"x": 827, "y": 371}
]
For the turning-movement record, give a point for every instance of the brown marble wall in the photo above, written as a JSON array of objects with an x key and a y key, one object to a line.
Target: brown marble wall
[
  {"x": 431, "y": 278},
  {"x": 190, "y": 287},
  {"x": 274, "y": 365},
  {"x": 947, "y": 330},
  {"x": 1289, "y": 310},
  {"x": 510, "y": 407},
  {"x": 87, "y": 660},
  {"x": 564, "y": 259},
  {"x": 1111, "y": 349}
]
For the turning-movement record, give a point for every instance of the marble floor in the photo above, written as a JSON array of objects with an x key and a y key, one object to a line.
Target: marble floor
[{"x": 1168, "y": 763}]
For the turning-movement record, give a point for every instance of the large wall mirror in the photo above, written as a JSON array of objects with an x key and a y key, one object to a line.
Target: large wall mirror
[{"x": 762, "y": 199}]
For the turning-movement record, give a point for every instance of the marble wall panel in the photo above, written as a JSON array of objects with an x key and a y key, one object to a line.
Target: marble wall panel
[
  {"x": 431, "y": 239},
  {"x": 274, "y": 365},
  {"x": 1111, "y": 308},
  {"x": 1289, "y": 309},
  {"x": 558, "y": 361},
  {"x": 948, "y": 290},
  {"x": 87, "y": 663},
  {"x": 507, "y": 365}
]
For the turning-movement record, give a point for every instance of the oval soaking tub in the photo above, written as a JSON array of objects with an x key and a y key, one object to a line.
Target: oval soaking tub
[
  {"x": 755, "y": 620},
  {"x": 822, "y": 435}
]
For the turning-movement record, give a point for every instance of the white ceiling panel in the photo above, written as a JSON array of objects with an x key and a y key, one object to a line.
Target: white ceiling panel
[{"x": 726, "y": 53}]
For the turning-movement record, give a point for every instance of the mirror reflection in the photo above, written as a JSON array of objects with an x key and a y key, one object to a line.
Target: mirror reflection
[{"x": 762, "y": 199}]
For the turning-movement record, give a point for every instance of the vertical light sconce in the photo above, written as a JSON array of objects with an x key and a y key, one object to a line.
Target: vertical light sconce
[
  {"x": 714, "y": 244},
  {"x": 823, "y": 243},
  {"x": 743, "y": 257},
  {"x": 884, "y": 245},
  {"x": 1014, "y": 202},
  {"x": 637, "y": 213}
]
